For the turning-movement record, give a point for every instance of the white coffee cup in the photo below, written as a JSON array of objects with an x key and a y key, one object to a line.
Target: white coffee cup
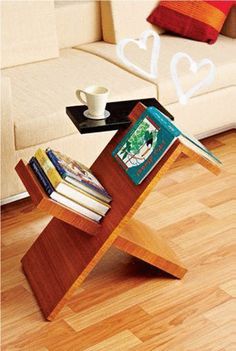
[{"x": 96, "y": 100}]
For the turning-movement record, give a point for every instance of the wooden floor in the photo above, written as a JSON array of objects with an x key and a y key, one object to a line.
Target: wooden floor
[{"x": 126, "y": 305}]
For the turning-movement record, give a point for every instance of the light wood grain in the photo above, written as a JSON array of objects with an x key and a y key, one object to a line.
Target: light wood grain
[
  {"x": 115, "y": 294},
  {"x": 199, "y": 159},
  {"x": 141, "y": 241},
  {"x": 229, "y": 287},
  {"x": 222, "y": 314},
  {"x": 122, "y": 341}
]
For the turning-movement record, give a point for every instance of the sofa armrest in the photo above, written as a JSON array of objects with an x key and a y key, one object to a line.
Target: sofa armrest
[
  {"x": 8, "y": 152},
  {"x": 7, "y": 125},
  {"x": 229, "y": 27}
]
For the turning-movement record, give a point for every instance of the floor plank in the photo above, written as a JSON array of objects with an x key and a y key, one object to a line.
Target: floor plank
[{"x": 121, "y": 341}]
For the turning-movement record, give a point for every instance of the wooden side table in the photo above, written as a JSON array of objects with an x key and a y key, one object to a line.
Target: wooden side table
[{"x": 71, "y": 245}]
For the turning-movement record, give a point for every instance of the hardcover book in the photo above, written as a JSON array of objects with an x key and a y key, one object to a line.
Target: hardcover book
[
  {"x": 148, "y": 141},
  {"x": 185, "y": 139}
]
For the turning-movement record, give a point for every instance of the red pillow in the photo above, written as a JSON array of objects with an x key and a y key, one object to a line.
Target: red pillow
[{"x": 199, "y": 20}]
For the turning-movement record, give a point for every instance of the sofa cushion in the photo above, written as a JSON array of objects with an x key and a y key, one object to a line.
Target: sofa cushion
[
  {"x": 199, "y": 20},
  {"x": 222, "y": 53},
  {"x": 207, "y": 114},
  {"x": 42, "y": 90},
  {"x": 126, "y": 19},
  {"x": 77, "y": 22},
  {"x": 28, "y": 32}
]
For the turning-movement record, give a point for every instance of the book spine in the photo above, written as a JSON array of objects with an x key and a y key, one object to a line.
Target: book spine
[
  {"x": 76, "y": 207},
  {"x": 90, "y": 188},
  {"x": 98, "y": 195},
  {"x": 48, "y": 168},
  {"x": 164, "y": 121},
  {"x": 55, "y": 162},
  {"x": 41, "y": 176}
]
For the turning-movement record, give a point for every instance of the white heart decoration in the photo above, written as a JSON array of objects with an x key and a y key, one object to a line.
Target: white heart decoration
[
  {"x": 141, "y": 42},
  {"x": 194, "y": 67}
]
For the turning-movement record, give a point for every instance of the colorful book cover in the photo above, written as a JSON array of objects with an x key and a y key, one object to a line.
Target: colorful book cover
[
  {"x": 147, "y": 142},
  {"x": 69, "y": 190},
  {"x": 70, "y": 170},
  {"x": 144, "y": 145}
]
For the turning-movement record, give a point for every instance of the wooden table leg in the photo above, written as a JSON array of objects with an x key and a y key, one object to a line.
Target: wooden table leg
[
  {"x": 59, "y": 261},
  {"x": 141, "y": 241}
]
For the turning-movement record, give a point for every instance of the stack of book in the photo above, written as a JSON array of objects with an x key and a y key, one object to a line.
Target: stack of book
[{"x": 70, "y": 183}]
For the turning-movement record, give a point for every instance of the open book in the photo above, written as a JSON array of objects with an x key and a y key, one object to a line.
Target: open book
[{"x": 148, "y": 141}]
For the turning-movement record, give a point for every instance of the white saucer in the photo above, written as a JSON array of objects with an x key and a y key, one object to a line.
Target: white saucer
[{"x": 106, "y": 114}]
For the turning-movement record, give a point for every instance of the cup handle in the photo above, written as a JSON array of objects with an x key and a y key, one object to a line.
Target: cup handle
[{"x": 78, "y": 94}]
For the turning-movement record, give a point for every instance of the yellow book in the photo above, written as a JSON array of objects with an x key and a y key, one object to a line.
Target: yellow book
[
  {"x": 67, "y": 189},
  {"x": 47, "y": 166}
]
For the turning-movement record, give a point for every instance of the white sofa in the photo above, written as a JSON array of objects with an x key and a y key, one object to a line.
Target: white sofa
[{"x": 50, "y": 49}]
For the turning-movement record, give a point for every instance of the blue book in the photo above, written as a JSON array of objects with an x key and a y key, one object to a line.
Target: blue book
[
  {"x": 184, "y": 138},
  {"x": 147, "y": 142},
  {"x": 164, "y": 121},
  {"x": 43, "y": 179}
]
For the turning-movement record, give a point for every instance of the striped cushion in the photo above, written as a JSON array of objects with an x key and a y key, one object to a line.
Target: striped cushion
[{"x": 198, "y": 20}]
